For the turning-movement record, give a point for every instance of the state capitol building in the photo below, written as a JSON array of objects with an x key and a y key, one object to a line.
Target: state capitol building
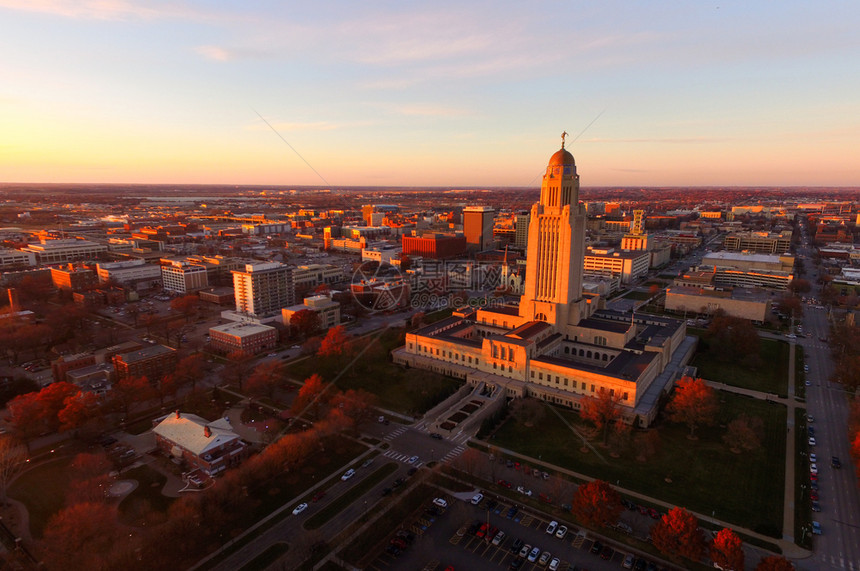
[{"x": 557, "y": 344}]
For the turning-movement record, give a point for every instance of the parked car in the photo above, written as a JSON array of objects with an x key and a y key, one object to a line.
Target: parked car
[
  {"x": 553, "y": 565},
  {"x": 476, "y": 499},
  {"x": 816, "y": 528},
  {"x": 440, "y": 502},
  {"x": 533, "y": 554},
  {"x": 525, "y": 549},
  {"x": 835, "y": 462},
  {"x": 553, "y": 525},
  {"x": 516, "y": 545},
  {"x": 544, "y": 558},
  {"x": 499, "y": 538},
  {"x": 561, "y": 531}
]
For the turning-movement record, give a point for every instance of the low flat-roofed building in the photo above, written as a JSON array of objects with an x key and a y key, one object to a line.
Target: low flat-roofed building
[
  {"x": 96, "y": 378},
  {"x": 312, "y": 275},
  {"x": 74, "y": 278},
  {"x": 745, "y": 303},
  {"x": 16, "y": 258},
  {"x": 129, "y": 272},
  {"x": 152, "y": 362},
  {"x": 765, "y": 242},
  {"x": 322, "y": 305},
  {"x": 65, "y": 363},
  {"x": 211, "y": 447},
  {"x": 49, "y": 251},
  {"x": 218, "y": 295},
  {"x": 630, "y": 265},
  {"x": 248, "y": 337}
]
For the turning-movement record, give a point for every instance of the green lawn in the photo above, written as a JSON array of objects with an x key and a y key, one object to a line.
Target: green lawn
[
  {"x": 409, "y": 391},
  {"x": 744, "y": 489},
  {"x": 43, "y": 491},
  {"x": 771, "y": 376}
]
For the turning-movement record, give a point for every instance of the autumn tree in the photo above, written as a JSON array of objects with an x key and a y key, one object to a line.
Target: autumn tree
[
  {"x": 265, "y": 379},
  {"x": 78, "y": 537},
  {"x": 237, "y": 368},
  {"x": 186, "y": 305},
  {"x": 189, "y": 370},
  {"x": 677, "y": 534},
  {"x": 789, "y": 305},
  {"x": 12, "y": 462},
  {"x": 602, "y": 411},
  {"x": 693, "y": 403},
  {"x": 733, "y": 338},
  {"x": 305, "y": 322},
  {"x": 744, "y": 434},
  {"x": 359, "y": 406},
  {"x": 597, "y": 503},
  {"x": 89, "y": 475},
  {"x": 727, "y": 550},
  {"x": 130, "y": 391},
  {"x": 312, "y": 394},
  {"x": 53, "y": 398},
  {"x": 25, "y": 417},
  {"x": 81, "y": 410},
  {"x": 774, "y": 563},
  {"x": 336, "y": 343},
  {"x": 527, "y": 411}
]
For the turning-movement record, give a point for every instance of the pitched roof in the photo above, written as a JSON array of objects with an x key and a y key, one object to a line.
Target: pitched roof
[{"x": 187, "y": 431}]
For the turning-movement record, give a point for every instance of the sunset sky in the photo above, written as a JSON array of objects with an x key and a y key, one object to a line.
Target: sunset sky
[{"x": 461, "y": 94}]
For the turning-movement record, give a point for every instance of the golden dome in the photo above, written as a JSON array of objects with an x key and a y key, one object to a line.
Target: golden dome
[{"x": 561, "y": 158}]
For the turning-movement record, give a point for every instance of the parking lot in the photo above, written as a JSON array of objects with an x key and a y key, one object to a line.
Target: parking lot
[{"x": 458, "y": 537}]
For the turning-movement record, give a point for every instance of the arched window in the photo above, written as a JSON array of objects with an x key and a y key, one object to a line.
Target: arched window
[{"x": 541, "y": 317}]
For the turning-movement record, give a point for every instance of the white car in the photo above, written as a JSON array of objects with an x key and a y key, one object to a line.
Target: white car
[
  {"x": 413, "y": 460},
  {"x": 810, "y": 419},
  {"x": 440, "y": 502},
  {"x": 300, "y": 508},
  {"x": 811, "y": 441},
  {"x": 561, "y": 532},
  {"x": 476, "y": 499},
  {"x": 348, "y": 474},
  {"x": 553, "y": 525},
  {"x": 813, "y": 469},
  {"x": 533, "y": 554},
  {"x": 500, "y": 537},
  {"x": 553, "y": 565},
  {"x": 813, "y": 458}
]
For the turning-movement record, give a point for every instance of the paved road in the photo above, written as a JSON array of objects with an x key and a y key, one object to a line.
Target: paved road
[{"x": 839, "y": 545}]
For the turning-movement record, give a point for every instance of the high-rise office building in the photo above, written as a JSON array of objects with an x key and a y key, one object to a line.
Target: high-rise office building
[
  {"x": 263, "y": 289},
  {"x": 478, "y": 227},
  {"x": 521, "y": 227}
]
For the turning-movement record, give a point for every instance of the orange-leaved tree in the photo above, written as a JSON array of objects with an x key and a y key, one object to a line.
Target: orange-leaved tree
[
  {"x": 727, "y": 550},
  {"x": 596, "y": 503},
  {"x": 677, "y": 533},
  {"x": 693, "y": 403},
  {"x": 602, "y": 410}
]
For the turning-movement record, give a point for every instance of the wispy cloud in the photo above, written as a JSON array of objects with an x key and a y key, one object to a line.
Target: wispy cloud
[
  {"x": 429, "y": 110},
  {"x": 102, "y": 9},
  {"x": 214, "y": 52}
]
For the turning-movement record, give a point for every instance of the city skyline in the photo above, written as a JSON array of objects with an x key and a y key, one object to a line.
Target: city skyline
[{"x": 419, "y": 95}]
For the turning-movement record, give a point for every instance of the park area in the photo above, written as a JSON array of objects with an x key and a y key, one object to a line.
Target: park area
[
  {"x": 702, "y": 475},
  {"x": 768, "y": 374},
  {"x": 409, "y": 391}
]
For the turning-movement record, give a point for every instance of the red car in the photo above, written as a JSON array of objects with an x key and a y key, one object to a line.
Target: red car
[
  {"x": 813, "y": 496},
  {"x": 504, "y": 483},
  {"x": 318, "y": 496}
]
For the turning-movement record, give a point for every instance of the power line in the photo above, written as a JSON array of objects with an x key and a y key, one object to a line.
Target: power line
[{"x": 292, "y": 148}]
